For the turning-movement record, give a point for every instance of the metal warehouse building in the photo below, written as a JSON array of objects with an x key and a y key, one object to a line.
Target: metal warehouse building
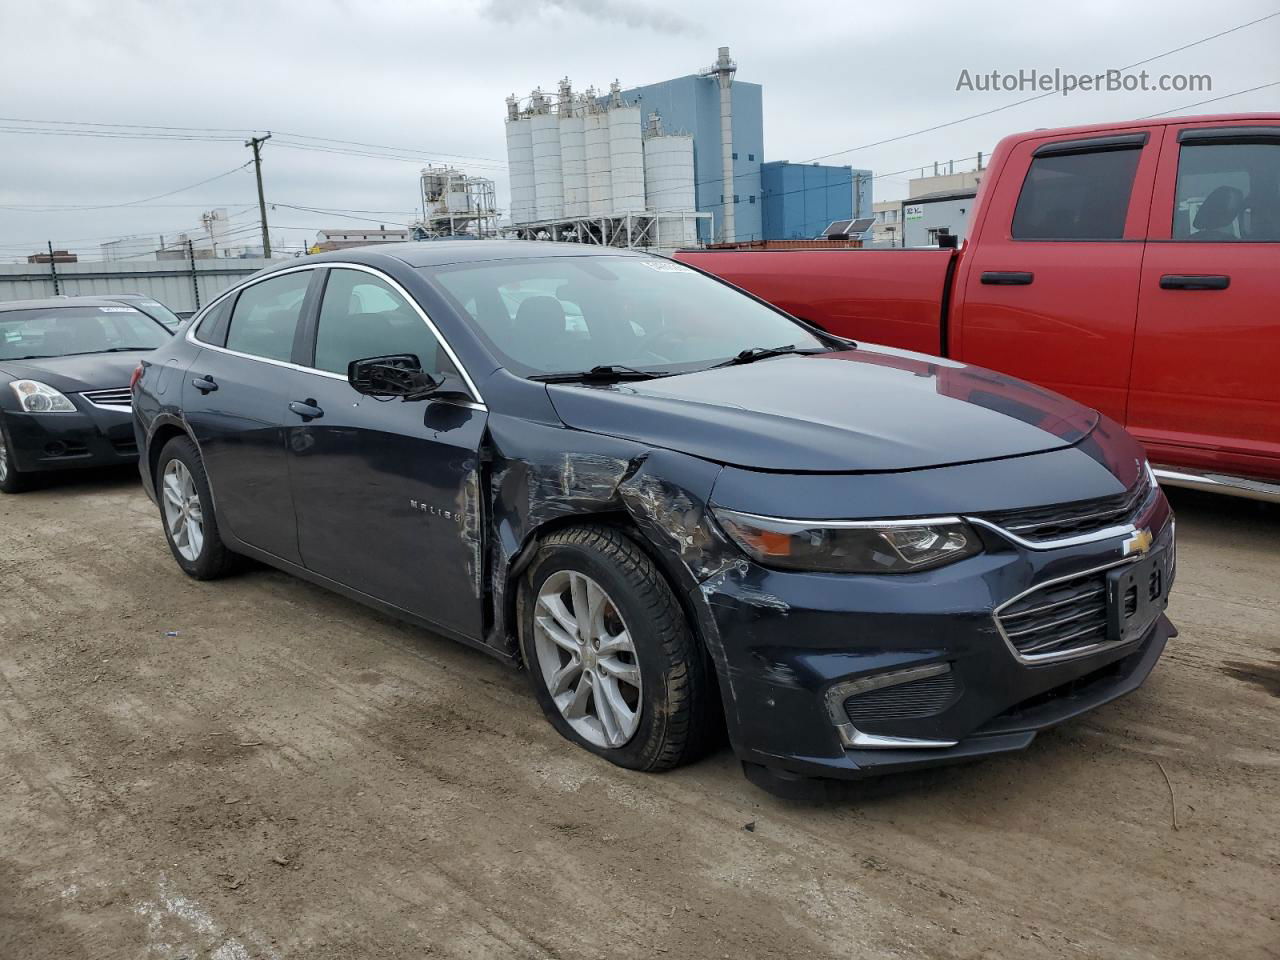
[{"x": 799, "y": 200}]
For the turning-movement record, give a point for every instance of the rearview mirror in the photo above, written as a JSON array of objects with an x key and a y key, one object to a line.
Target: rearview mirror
[{"x": 398, "y": 375}]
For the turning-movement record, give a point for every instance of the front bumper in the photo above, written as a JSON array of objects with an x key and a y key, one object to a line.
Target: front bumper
[
  {"x": 789, "y": 645},
  {"x": 93, "y": 437}
]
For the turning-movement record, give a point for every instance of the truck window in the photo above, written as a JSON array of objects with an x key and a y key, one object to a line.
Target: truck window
[
  {"x": 1228, "y": 192},
  {"x": 1079, "y": 196}
]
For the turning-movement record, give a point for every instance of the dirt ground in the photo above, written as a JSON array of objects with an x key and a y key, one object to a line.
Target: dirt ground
[{"x": 257, "y": 768}]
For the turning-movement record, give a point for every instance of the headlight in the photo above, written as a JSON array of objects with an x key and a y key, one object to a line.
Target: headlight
[
  {"x": 37, "y": 397},
  {"x": 851, "y": 546}
]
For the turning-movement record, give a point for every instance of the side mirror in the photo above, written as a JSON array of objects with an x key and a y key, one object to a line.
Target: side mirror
[{"x": 398, "y": 375}]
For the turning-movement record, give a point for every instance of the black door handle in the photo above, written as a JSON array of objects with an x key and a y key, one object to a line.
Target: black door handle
[
  {"x": 1194, "y": 281},
  {"x": 205, "y": 385},
  {"x": 306, "y": 409},
  {"x": 1007, "y": 278}
]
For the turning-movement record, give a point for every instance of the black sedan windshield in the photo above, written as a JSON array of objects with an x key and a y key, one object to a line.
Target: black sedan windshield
[
  {"x": 554, "y": 315},
  {"x": 67, "y": 331}
]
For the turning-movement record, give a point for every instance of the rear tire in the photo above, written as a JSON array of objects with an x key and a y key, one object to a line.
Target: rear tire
[
  {"x": 187, "y": 512},
  {"x": 11, "y": 481},
  {"x": 648, "y": 702}
]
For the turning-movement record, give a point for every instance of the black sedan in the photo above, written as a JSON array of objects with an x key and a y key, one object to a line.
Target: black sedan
[
  {"x": 677, "y": 507},
  {"x": 65, "y": 365}
]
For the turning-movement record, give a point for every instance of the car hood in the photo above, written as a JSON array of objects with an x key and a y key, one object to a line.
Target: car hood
[
  {"x": 873, "y": 409},
  {"x": 85, "y": 371}
]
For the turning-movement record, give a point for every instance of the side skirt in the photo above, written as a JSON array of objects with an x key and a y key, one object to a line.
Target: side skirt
[{"x": 390, "y": 609}]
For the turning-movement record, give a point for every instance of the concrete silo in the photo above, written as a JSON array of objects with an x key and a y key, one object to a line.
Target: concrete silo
[
  {"x": 520, "y": 163},
  {"x": 626, "y": 155},
  {"x": 669, "y": 183},
  {"x": 573, "y": 152},
  {"x": 548, "y": 183}
]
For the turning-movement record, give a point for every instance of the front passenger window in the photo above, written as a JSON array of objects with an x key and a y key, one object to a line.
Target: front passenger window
[
  {"x": 266, "y": 316},
  {"x": 362, "y": 316}
]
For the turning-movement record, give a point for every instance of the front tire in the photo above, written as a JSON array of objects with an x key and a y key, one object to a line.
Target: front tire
[
  {"x": 613, "y": 662},
  {"x": 11, "y": 481},
  {"x": 187, "y": 512}
]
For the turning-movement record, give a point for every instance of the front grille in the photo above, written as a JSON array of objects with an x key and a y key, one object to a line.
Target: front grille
[
  {"x": 1058, "y": 618},
  {"x": 121, "y": 398},
  {"x": 905, "y": 701},
  {"x": 1073, "y": 519}
]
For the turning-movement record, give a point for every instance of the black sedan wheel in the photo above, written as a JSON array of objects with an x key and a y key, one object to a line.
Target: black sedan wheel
[
  {"x": 186, "y": 507},
  {"x": 613, "y": 662},
  {"x": 11, "y": 481}
]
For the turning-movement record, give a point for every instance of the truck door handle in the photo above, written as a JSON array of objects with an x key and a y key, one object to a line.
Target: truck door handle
[
  {"x": 1194, "y": 281},
  {"x": 1007, "y": 278},
  {"x": 205, "y": 385},
  {"x": 306, "y": 409}
]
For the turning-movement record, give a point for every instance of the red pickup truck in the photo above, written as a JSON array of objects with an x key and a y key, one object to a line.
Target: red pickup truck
[{"x": 1132, "y": 266}]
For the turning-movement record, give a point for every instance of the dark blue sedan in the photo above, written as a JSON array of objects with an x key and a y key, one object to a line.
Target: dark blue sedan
[{"x": 678, "y": 508}]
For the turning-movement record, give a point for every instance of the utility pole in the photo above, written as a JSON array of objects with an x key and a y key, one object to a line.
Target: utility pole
[
  {"x": 195, "y": 277},
  {"x": 53, "y": 269},
  {"x": 256, "y": 143}
]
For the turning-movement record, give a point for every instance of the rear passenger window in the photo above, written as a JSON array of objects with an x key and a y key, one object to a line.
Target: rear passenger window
[
  {"x": 1080, "y": 196},
  {"x": 362, "y": 316},
  {"x": 1228, "y": 192},
  {"x": 266, "y": 316},
  {"x": 212, "y": 327}
]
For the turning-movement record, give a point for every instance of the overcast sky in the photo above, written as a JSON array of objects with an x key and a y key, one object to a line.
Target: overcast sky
[{"x": 432, "y": 76}]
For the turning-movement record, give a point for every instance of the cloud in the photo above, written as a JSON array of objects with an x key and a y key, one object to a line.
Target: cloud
[{"x": 606, "y": 11}]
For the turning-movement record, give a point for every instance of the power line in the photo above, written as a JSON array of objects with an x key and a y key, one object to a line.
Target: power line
[
  {"x": 1201, "y": 103},
  {"x": 113, "y": 136},
  {"x": 33, "y": 208},
  {"x": 1041, "y": 96}
]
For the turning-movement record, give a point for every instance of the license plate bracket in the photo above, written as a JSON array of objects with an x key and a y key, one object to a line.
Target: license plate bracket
[{"x": 1136, "y": 595}]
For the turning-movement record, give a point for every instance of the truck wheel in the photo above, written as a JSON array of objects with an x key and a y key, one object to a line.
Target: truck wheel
[
  {"x": 11, "y": 481},
  {"x": 186, "y": 508},
  {"x": 610, "y": 654}
]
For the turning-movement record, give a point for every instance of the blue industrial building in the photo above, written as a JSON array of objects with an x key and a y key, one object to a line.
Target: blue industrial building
[
  {"x": 800, "y": 200},
  {"x": 692, "y": 105}
]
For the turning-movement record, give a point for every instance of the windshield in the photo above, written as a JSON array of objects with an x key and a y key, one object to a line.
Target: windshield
[
  {"x": 158, "y": 311},
  {"x": 66, "y": 331},
  {"x": 567, "y": 314}
]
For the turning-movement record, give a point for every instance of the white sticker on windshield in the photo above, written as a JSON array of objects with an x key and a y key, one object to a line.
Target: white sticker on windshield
[
  {"x": 117, "y": 310},
  {"x": 667, "y": 266}
]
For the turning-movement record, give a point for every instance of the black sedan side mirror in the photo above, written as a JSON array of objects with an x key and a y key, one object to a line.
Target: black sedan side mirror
[{"x": 398, "y": 375}]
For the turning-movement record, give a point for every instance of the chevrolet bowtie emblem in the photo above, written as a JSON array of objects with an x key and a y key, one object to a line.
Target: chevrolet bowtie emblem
[{"x": 1140, "y": 542}]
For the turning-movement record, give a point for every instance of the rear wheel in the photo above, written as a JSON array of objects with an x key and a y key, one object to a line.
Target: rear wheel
[
  {"x": 610, "y": 654},
  {"x": 11, "y": 481},
  {"x": 186, "y": 507}
]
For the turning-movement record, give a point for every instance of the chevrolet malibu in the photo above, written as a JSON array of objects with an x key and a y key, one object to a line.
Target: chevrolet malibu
[{"x": 678, "y": 508}]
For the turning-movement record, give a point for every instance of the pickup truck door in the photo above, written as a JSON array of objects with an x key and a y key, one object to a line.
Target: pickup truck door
[
  {"x": 1205, "y": 387},
  {"x": 1048, "y": 285}
]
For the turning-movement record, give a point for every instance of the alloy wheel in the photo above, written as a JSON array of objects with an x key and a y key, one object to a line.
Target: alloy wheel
[
  {"x": 587, "y": 659},
  {"x": 4, "y": 460},
  {"x": 182, "y": 513}
]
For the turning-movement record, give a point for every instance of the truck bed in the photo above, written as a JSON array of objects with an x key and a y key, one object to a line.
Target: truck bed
[{"x": 893, "y": 296}]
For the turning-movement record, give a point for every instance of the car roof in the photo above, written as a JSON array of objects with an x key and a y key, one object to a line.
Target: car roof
[
  {"x": 49, "y": 303},
  {"x": 434, "y": 253}
]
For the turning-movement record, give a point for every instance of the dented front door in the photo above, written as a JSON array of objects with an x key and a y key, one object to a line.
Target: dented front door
[{"x": 388, "y": 499}]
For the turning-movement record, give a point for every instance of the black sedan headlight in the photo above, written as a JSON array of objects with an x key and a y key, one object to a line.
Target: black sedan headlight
[{"x": 851, "y": 546}]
